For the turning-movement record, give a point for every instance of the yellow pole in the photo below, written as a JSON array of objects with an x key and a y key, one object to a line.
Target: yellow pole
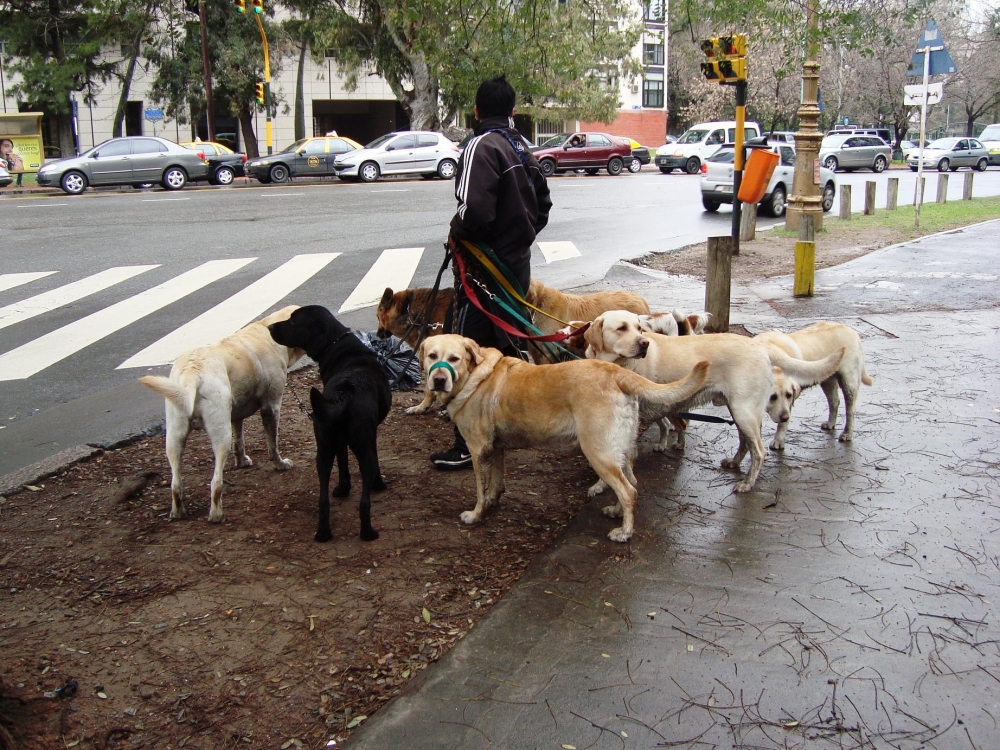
[{"x": 267, "y": 84}]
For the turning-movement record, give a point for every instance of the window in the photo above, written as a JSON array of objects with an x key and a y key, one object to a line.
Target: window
[
  {"x": 115, "y": 148},
  {"x": 598, "y": 140},
  {"x": 426, "y": 140},
  {"x": 717, "y": 137},
  {"x": 652, "y": 10},
  {"x": 339, "y": 146},
  {"x": 723, "y": 156},
  {"x": 315, "y": 147},
  {"x": 787, "y": 156},
  {"x": 975, "y": 144},
  {"x": 652, "y": 89},
  {"x": 652, "y": 54},
  {"x": 963, "y": 145},
  {"x": 146, "y": 146},
  {"x": 404, "y": 141}
]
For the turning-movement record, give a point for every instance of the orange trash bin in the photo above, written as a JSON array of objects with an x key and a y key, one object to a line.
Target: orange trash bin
[{"x": 759, "y": 168}]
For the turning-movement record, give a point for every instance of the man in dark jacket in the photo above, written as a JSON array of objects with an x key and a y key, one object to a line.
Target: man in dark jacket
[{"x": 503, "y": 202}]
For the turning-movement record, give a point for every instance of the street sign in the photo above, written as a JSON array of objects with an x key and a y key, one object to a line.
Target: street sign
[
  {"x": 931, "y": 42},
  {"x": 914, "y": 93},
  {"x": 153, "y": 115}
]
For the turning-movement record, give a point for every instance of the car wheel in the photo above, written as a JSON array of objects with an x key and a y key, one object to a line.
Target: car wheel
[
  {"x": 615, "y": 165},
  {"x": 981, "y": 165},
  {"x": 944, "y": 165},
  {"x": 829, "y": 193},
  {"x": 710, "y": 205},
  {"x": 447, "y": 169},
  {"x": 692, "y": 166},
  {"x": 431, "y": 176},
  {"x": 73, "y": 183},
  {"x": 592, "y": 170},
  {"x": 776, "y": 203},
  {"x": 174, "y": 178},
  {"x": 278, "y": 173},
  {"x": 831, "y": 163},
  {"x": 224, "y": 176},
  {"x": 634, "y": 166},
  {"x": 548, "y": 167},
  {"x": 666, "y": 170},
  {"x": 880, "y": 164},
  {"x": 369, "y": 171},
  {"x": 914, "y": 169}
]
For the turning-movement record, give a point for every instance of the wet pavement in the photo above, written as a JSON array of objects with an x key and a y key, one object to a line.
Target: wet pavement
[{"x": 847, "y": 602}]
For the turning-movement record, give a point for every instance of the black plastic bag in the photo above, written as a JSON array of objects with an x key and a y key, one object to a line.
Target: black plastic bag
[{"x": 397, "y": 359}]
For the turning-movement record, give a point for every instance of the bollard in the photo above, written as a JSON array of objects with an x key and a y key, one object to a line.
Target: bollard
[
  {"x": 805, "y": 257},
  {"x": 942, "y": 194},
  {"x": 890, "y": 202},
  {"x": 967, "y": 187},
  {"x": 718, "y": 280},
  {"x": 748, "y": 222},
  {"x": 845, "y": 201},
  {"x": 870, "y": 198}
]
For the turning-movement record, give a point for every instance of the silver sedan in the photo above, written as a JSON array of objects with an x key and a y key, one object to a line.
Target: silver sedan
[
  {"x": 422, "y": 152},
  {"x": 946, "y": 154}
]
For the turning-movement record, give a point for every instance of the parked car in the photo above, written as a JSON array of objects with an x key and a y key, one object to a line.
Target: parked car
[
  {"x": 422, "y": 152},
  {"x": 990, "y": 137},
  {"x": 465, "y": 142},
  {"x": 951, "y": 153},
  {"x": 5, "y": 178},
  {"x": 884, "y": 133},
  {"x": 782, "y": 136},
  {"x": 307, "y": 157},
  {"x": 640, "y": 156},
  {"x": 717, "y": 183},
  {"x": 700, "y": 142},
  {"x": 588, "y": 151},
  {"x": 223, "y": 163},
  {"x": 910, "y": 147},
  {"x": 131, "y": 160},
  {"x": 850, "y": 152}
]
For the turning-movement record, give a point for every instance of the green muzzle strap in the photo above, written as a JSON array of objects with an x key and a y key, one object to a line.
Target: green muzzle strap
[{"x": 445, "y": 365}]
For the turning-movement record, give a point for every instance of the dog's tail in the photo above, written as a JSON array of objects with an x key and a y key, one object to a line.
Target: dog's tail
[
  {"x": 865, "y": 377},
  {"x": 663, "y": 398},
  {"x": 806, "y": 372},
  {"x": 696, "y": 323},
  {"x": 180, "y": 393},
  {"x": 327, "y": 409}
]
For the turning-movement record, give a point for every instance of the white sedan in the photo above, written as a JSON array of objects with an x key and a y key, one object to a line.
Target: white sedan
[{"x": 717, "y": 183}]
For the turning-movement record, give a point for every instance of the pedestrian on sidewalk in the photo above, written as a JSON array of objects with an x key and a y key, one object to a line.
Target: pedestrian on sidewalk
[{"x": 503, "y": 202}]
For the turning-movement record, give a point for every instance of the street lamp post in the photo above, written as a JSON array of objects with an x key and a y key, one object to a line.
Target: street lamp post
[
  {"x": 267, "y": 81},
  {"x": 806, "y": 196}
]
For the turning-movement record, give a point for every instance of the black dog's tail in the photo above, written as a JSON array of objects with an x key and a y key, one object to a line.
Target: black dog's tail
[{"x": 326, "y": 409}]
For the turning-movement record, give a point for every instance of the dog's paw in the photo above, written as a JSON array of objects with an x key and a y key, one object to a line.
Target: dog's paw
[
  {"x": 661, "y": 448},
  {"x": 379, "y": 484},
  {"x": 612, "y": 511},
  {"x": 469, "y": 517},
  {"x": 730, "y": 463},
  {"x": 743, "y": 486},
  {"x": 618, "y": 535},
  {"x": 284, "y": 464},
  {"x": 418, "y": 409},
  {"x": 368, "y": 535},
  {"x": 323, "y": 535},
  {"x": 777, "y": 445},
  {"x": 597, "y": 488},
  {"x": 243, "y": 462},
  {"x": 845, "y": 437},
  {"x": 214, "y": 517},
  {"x": 828, "y": 426},
  {"x": 341, "y": 490}
]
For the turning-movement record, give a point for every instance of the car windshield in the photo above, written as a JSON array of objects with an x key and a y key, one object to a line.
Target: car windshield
[
  {"x": 294, "y": 146},
  {"x": 992, "y": 133},
  {"x": 380, "y": 140},
  {"x": 833, "y": 141},
  {"x": 693, "y": 136},
  {"x": 944, "y": 144},
  {"x": 554, "y": 140},
  {"x": 723, "y": 156}
]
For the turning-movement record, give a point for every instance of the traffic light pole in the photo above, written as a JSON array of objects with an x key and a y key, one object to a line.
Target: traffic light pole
[
  {"x": 267, "y": 84},
  {"x": 207, "y": 72},
  {"x": 738, "y": 160}
]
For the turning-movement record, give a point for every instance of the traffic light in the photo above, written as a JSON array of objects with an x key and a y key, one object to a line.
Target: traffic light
[
  {"x": 241, "y": 6},
  {"x": 258, "y": 6},
  {"x": 726, "y": 58},
  {"x": 259, "y": 88}
]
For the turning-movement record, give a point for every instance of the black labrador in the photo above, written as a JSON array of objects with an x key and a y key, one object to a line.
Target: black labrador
[{"x": 354, "y": 401}]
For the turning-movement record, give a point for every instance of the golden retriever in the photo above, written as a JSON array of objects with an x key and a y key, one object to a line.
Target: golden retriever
[
  {"x": 502, "y": 402},
  {"x": 215, "y": 388},
  {"x": 741, "y": 374}
]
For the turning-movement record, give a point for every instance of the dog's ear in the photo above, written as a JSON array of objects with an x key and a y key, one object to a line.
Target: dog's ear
[
  {"x": 475, "y": 353},
  {"x": 595, "y": 335},
  {"x": 420, "y": 353},
  {"x": 386, "y": 297}
]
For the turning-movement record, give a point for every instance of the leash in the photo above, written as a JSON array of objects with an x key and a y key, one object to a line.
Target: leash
[{"x": 704, "y": 418}]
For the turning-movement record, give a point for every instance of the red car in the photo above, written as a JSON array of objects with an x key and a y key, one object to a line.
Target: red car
[{"x": 587, "y": 151}]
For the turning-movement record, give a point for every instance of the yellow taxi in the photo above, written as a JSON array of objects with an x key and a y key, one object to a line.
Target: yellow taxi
[{"x": 224, "y": 163}]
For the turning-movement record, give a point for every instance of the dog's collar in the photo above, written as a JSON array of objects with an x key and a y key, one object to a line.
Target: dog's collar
[
  {"x": 445, "y": 365},
  {"x": 337, "y": 340}
]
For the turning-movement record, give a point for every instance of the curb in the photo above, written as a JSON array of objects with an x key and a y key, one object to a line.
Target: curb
[{"x": 14, "y": 482}]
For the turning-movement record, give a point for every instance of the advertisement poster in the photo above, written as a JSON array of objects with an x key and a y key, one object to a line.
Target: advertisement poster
[{"x": 21, "y": 153}]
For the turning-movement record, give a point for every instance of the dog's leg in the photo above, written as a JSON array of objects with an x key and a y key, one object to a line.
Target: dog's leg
[
  {"x": 220, "y": 432},
  {"x": 664, "y": 442},
  {"x": 424, "y": 406},
  {"x": 830, "y": 387},
  {"x": 325, "y": 453},
  {"x": 748, "y": 423},
  {"x": 270, "y": 414},
  {"x": 239, "y": 448},
  {"x": 482, "y": 458},
  {"x": 596, "y": 488},
  {"x": 495, "y": 486},
  {"x": 850, "y": 397},
  {"x": 178, "y": 430},
  {"x": 778, "y": 442},
  {"x": 368, "y": 462},
  {"x": 611, "y": 472},
  {"x": 680, "y": 431},
  {"x": 741, "y": 452},
  {"x": 378, "y": 484},
  {"x": 343, "y": 488}
]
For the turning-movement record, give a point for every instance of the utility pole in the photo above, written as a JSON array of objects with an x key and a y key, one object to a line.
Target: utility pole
[
  {"x": 806, "y": 197},
  {"x": 207, "y": 71}
]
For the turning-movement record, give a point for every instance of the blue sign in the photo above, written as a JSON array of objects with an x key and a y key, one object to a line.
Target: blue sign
[
  {"x": 153, "y": 115},
  {"x": 940, "y": 61}
]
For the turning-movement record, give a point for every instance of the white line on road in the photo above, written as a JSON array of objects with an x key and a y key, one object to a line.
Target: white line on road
[
  {"x": 157, "y": 200},
  {"x": 11, "y": 280},
  {"x": 36, "y": 355},
  {"x": 391, "y": 190},
  {"x": 278, "y": 195},
  {"x": 42, "y": 205},
  {"x": 554, "y": 251},
  {"x": 232, "y": 314},
  {"x": 65, "y": 295},
  {"x": 394, "y": 268}
]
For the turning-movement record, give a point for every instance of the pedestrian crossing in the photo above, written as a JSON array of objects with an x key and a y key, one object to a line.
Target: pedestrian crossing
[{"x": 394, "y": 267}]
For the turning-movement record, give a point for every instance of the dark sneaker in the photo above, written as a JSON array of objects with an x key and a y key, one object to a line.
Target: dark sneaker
[{"x": 452, "y": 459}]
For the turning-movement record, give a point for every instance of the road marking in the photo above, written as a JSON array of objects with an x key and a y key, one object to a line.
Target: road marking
[
  {"x": 232, "y": 314},
  {"x": 43, "y": 205},
  {"x": 278, "y": 195},
  {"x": 391, "y": 190},
  {"x": 65, "y": 295},
  {"x": 43, "y": 352},
  {"x": 157, "y": 200},
  {"x": 554, "y": 251},
  {"x": 394, "y": 268},
  {"x": 11, "y": 280}
]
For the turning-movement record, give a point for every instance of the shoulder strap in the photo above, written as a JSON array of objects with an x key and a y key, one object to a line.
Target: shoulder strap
[{"x": 517, "y": 145}]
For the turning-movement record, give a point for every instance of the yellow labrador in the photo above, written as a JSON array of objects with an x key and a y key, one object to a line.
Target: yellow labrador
[
  {"x": 502, "y": 402},
  {"x": 741, "y": 374},
  {"x": 216, "y": 387},
  {"x": 811, "y": 343}
]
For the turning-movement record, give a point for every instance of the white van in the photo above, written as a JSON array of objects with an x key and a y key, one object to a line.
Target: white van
[
  {"x": 699, "y": 143},
  {"x": 990, "y": 138}
]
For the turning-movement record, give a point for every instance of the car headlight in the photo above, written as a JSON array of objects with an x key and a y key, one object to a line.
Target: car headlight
[{"x": 678, "y": 153}]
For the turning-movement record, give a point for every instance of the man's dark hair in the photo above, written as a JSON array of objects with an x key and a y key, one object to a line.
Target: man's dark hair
[{"x": 495, "y": 97}]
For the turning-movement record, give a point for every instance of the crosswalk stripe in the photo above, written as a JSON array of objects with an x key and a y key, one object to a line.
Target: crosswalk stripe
[
  {"x": 11, "y": 280},
  {"x": 232, "y": 314},
  {"x": 45, "y": 351},
  {"x": 65, "y": 295},
  {"x": 394, "y": 268},
  {"x": 554, "y": 251}
]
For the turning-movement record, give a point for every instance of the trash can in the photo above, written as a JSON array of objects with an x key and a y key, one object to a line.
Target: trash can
[{"x": 759, "y": 168}]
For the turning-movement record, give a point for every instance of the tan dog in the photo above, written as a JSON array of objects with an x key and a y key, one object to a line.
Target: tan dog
[
  {"x": 811, "y": 343},
  {"x": 741, "y": 374},
  {"x": 502, "y": 402},
  {"x": 675, "y": 323},
  {"x": 402, "y": 313},
  {"x": 216, "y": 387}
]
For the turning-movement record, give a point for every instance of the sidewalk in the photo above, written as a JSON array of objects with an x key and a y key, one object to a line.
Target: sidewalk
[{"x": 846, "y": 602}]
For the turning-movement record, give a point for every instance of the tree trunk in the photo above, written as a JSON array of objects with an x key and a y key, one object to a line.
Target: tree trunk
[
  {"x": 300, "y": 103},
  {"x": 116, "y": 128},
  {"x": 249, "y": 137},
  {"x": 424, "y": 111},
  {"x": 67, "y": 144}
]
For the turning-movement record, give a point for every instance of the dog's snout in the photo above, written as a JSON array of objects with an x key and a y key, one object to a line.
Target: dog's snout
[
  {"x": 439, "y": 382},
  {"x": 643, "y": 344},
  {"x": 785, "y": 416}
]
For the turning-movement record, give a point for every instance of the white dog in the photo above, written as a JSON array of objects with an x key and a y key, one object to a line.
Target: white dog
[
  {"x": 216, "y": 387},
  {"x": 811, "y": 343},
  {"x": 675, "y": 323}
]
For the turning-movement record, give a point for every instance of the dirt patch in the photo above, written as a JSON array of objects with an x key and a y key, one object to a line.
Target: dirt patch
[{"x": 120, "y": 628}]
